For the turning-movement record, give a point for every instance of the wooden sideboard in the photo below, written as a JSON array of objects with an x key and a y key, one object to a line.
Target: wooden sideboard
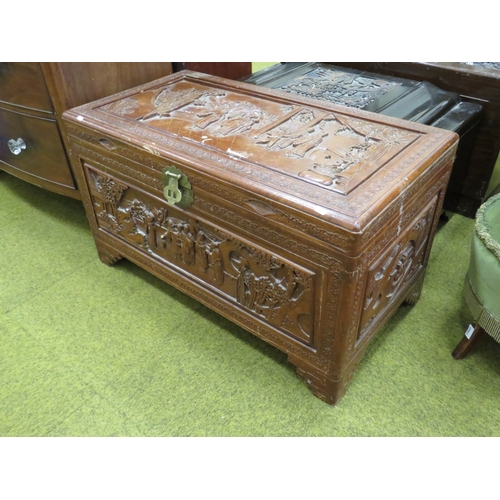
[{"x": 33, "y": 96}]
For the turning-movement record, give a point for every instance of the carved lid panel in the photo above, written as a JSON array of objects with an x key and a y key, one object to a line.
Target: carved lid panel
[{"x": 326, "y": 154}]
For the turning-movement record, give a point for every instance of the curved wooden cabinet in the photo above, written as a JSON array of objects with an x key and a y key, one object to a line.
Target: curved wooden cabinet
[
  {"x": 33, "y": 97},
  {"x": 32, "y": 146},
  {"x": 23, "y": 84}
]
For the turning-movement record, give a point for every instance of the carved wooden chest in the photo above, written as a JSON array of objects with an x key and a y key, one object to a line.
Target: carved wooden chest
[{"x": 304, "y": 222}]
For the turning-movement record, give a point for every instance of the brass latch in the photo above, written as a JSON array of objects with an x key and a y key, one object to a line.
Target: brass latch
[{"x": 177, "y": 190}]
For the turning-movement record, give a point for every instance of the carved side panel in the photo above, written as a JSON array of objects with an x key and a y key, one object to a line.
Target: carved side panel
[
  {"x": 388, "y": 275},
  {"x": 275, "y": 290}
]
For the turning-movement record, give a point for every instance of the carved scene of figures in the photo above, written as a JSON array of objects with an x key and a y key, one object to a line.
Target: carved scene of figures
[
  {"x": 316, "y": 141},
  {"x": 260, "y": 282}
]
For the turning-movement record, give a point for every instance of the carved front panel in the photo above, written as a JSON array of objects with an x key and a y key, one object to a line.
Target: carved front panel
[
  {"x": 329, "y": 149},
  {"x": 272, "y": 288},
  {"x": 389, "y": 274}
]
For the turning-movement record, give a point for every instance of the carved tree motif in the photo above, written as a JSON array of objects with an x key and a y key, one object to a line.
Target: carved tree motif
[
  {"x": 125, "y": 106},
  {"x": 169, "y": 100},
  {"x": 270, "y": 292},
  {"x": 111, "y": 190},
  {"x": 108, "y": 193}
]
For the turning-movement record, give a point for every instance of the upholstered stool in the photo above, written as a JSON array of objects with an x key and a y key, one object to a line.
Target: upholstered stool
[{"x": 482, "y": 283}]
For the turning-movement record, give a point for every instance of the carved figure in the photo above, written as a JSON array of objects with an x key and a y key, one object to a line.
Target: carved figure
[
  {"x": 215, "y": 259},
  {"x": 187, "y": 244},
  {"x": 201, "y": 251}
]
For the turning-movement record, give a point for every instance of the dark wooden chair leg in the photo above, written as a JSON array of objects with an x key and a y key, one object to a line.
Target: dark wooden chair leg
[{"x": 466, "y": 344}]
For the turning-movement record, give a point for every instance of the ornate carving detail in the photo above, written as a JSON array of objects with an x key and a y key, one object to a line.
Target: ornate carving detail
[
  {"x": 205, "y": 110},
  {"x": 125, "y": 106},
  {"x": 339, "y": 87},
  {"x": 373, "y": 144},
  {"x": 351, "y": 149},
  {"x": 170, "y": 100},
  {"x": 336, "y": 238},
  {"x": 274, "y": 290},
  {"x": 395, "y": 268},
  {"x": 111, "y": 190},
  {"x": 298, "y": 134},
  {"x": 331, "y": 143},
  {"x": 231, "y": 118},
  {"x": 111, "y": 193},
  {"x": 321, "y": 258}
]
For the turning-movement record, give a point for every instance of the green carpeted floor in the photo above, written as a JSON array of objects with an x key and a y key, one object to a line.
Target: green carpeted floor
[{"x": 91, "y": 350}]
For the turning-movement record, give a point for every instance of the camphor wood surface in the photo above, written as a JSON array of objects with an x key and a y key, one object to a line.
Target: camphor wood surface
[{"x": 310, "y": 223}]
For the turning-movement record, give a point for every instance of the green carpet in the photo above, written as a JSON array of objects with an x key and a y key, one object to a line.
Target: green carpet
[{"x": 91, "y": 350}]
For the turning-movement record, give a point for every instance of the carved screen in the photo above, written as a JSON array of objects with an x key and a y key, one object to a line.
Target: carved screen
[{"x": 340, "y": 87}]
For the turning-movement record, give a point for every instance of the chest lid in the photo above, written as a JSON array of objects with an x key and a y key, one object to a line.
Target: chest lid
[{"x": 326, "y": 159}]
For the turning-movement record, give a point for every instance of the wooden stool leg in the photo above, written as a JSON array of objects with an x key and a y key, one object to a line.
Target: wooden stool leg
[{"x": 466, "y": 344}]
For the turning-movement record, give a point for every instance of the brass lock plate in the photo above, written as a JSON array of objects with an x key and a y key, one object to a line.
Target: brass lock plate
[{"x": 177, "y": 189}]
